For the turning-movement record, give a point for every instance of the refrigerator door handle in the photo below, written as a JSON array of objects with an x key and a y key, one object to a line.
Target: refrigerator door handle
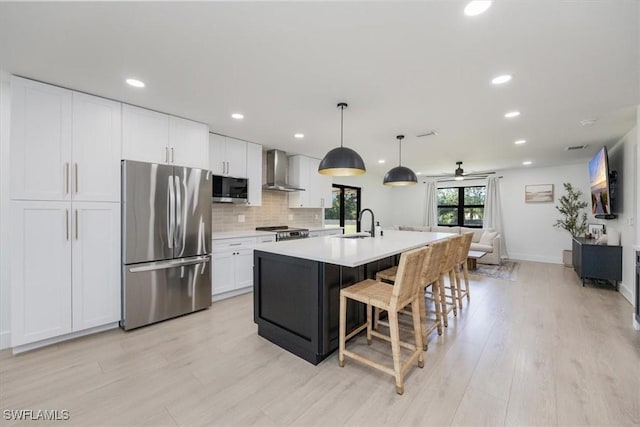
[
  {"x": 179, "y": 230},
  {"x": 163, "y": 265},
  {"x": 171, "y": 212}
]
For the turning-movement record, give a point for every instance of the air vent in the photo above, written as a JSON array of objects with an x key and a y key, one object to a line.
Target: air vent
[
  {"x": 430, "y": 132},
  {"x": 576, "y": 147}
]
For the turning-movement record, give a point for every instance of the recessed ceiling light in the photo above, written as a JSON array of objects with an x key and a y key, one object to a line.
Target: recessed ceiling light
[
  {"x": 520, "y": 142},
  {"x": 418, "y": 173},
  {"x": 135, "y": 83},
  {"x": 477, "y": 7},
  {"x": 381, "y": 161},
  {"x": 237, "y": 116},
  {"x": 298, "y": 135},
  {"x": 512, "y": 114},
  {"x": 501, "y": 79},
  {"x": 527, "y": 162}
]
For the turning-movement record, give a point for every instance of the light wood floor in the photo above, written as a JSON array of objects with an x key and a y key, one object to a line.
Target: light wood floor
[{"x": 539, "y": 351}]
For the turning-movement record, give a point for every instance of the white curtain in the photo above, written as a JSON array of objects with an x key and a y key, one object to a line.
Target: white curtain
[
  {"x": 493, "y": 211},
  {"x": 431, "y": 208}
]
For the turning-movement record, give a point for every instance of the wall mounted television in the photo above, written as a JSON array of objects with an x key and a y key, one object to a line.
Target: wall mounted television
[{"x": 601, "y": 181}]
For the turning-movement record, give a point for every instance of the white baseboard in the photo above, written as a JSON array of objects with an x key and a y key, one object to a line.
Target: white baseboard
[
  {"x": 5, "y": 340},
  {"x": 55, "y": 340},
  {"x": 231, "y": 294},
  {"x": 535, "y": 258},
  {"x": 626, "y": 292}
]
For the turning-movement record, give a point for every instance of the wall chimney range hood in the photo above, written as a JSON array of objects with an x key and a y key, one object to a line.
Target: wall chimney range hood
[{"x": 277, "y": 177}]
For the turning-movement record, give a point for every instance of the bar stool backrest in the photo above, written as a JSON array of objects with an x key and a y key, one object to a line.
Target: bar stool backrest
[
  {"x": 431, "y": 270},
  {"x": 464, "y": 247},
  {"x": 452, "y": 254},
  {"x": 408, "y": 277}
]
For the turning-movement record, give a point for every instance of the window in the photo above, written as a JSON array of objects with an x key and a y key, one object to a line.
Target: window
[
  {"x": 461, "y": 206},
  {"x": 345, "y": 205}
]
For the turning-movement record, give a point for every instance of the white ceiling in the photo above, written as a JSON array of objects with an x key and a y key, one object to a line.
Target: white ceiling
[{"x": 403, "y": 67}]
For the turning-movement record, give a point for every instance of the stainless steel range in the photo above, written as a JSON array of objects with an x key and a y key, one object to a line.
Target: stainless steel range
[{"x": 286, "y": 233}]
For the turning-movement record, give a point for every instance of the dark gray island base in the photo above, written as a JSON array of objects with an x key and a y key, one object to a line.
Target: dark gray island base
[{"x": 296, "y": 301}]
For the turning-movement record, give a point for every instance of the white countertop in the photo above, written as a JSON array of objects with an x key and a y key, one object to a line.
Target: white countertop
[
  {"x": 353, "y": 252},
  {"x": 240, "y": 234}
]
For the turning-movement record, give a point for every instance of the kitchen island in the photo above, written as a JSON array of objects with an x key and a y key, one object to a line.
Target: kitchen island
[{"x": 297, "y": 285}]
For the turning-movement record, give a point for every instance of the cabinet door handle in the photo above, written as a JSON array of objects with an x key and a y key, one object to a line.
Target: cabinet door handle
[
  {"x": 76, "y": 178},
  {"x": 66, "y": 178},
  {"x": 66, "y": 222},
  {"x": 172, "y": 157},
  {"x": 76, "y": 224},
  {"x": 235, "y": 244},
  {"x": 227, "y": 167},
  {"x": 166, "y": 154}
]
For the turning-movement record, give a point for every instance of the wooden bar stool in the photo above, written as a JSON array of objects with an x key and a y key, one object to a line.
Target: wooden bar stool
[
  {"x": 447, "y": 268},
  {"x": 462, "y": 268},
  {"x": 392, "y": 299},
  {"x": 430, "y": 277}
]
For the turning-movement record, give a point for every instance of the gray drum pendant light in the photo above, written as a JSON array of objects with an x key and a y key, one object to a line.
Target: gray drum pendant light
[
  {"x": 400, "y": 175},
  {"x": 342, "y": 161}
]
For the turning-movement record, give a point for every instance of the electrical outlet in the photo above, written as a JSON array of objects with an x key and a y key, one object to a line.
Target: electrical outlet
[
  {"x": 290, "y": 217},
  {"x": 316, "y": 216},
  {"x": 240, "y": 218},
  {"x": 630, "y": 221}
]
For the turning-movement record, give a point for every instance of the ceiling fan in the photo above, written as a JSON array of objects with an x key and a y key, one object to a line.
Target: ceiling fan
[{"x": 459, "y": 174}]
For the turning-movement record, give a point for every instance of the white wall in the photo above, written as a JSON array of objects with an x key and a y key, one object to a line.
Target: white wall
[
  {"x": 622, "y": 158},
  {"x": 528, "y": 227},
  {"x": 5, "y": 285},
  {"x": 375, "y": 196}
]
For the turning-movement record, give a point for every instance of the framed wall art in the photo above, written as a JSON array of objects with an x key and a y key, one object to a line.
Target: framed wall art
[{"x": 540, "y": 193}]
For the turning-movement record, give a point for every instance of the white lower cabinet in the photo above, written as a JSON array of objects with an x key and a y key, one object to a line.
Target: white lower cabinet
[
  {"x": 223, "y": 270},
  {"x": 40, "y": 271},
  {"x": 232, "y": 265},
  {"x": 95, "y": 264},
  {"x": 64, "y": 268}
]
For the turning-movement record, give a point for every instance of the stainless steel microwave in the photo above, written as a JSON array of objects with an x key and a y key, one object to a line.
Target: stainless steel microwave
[{"x": 230, "y": 190}]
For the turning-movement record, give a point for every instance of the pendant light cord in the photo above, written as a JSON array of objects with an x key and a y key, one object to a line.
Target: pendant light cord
[
  {"x": 400, "y": 138},
  {"x": 341, "y": 124}
]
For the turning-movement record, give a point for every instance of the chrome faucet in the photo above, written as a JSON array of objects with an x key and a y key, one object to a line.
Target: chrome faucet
[{"x": 373, "y": 222}]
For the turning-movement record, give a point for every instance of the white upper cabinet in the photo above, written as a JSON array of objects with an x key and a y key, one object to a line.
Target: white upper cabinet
[
  {"x": 149, "y": 136},
  {"x": 303, "y": 173},
  {"x": 64, "y": 145},
  {"x": 227, "y": 156},
  {"x": 40, "y": 141},
  {"x": 96, "y": 152},
  {"x": 299, "y": 177},
  {"x": 254, "y": 174},
  {"x": 189, "y": 143},
  {"x": 145, "y": 135}
]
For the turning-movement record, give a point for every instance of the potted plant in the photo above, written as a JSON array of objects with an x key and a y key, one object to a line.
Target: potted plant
[{"x": 574, "y": 219}]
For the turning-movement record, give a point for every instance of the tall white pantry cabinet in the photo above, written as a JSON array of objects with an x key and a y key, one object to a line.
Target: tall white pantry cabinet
[{"x": 65, "y": 211}]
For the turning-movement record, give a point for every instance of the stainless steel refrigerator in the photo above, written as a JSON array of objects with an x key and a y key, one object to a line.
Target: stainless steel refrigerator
[{"x": 166, "y": 242}]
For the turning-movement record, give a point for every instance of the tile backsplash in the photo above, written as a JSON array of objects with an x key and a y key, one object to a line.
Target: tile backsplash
[{"x": 274, "y": 211}]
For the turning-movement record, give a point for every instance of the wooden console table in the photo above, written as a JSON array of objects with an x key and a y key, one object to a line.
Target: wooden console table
[{"x": 591, "y": 261}]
